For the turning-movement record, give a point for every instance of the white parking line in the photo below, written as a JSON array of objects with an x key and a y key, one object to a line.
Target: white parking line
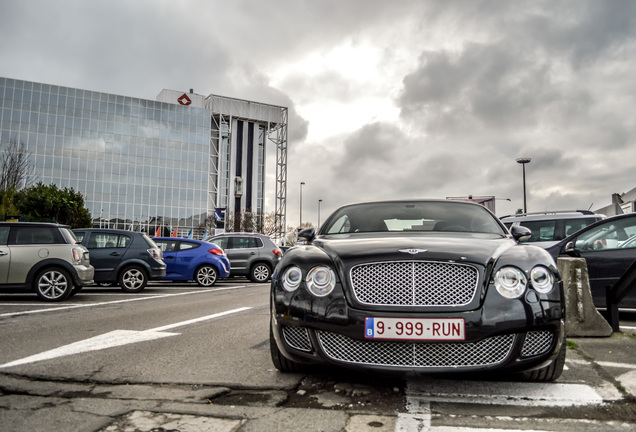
[
  {"x": 605, "y": 364},
  {"x": 55, "y": 308},
  {"x": 116, "y": 338},
  {"x": 506, "y": 393}
]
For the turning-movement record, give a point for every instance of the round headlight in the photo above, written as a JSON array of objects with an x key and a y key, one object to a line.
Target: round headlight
[
  {"x": 292, "y": 278},
  {"x": 321, "y": 281},
  {"x": 510, "y": 282},
  {"x": 542, "y": 279}
]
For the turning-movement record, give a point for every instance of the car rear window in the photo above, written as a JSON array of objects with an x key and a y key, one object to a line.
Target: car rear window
[
  {"x": 188, "y": 245},
  {"x": 149, "y": 241},
  {"x": 69, "y": 235}
]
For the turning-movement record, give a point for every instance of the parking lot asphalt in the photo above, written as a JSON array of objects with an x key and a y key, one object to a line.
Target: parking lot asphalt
[
  {"x": 605, "y": 364},
  {"x": 613, "y": 357}
]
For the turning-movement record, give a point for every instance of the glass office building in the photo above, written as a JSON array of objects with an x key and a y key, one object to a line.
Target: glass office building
[{"x": 138, "y": 163}]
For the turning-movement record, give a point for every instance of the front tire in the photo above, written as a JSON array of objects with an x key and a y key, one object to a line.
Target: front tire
[
  {"x": 206, "y": 276},
  {"x": 550, "y": 372},
  {"x": 260, "y": 273},
  {"x": 53, "y": 285},
  {"x": 281, "y": 362},
  {"x": 133, "y": 279}
]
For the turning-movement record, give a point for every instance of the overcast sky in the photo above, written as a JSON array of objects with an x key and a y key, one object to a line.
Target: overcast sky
[{"x": 387, "y": 99}]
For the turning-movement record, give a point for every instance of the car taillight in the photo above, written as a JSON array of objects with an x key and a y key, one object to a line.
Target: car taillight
[
  {"x": 218, "y": 252},
  {"x": 277, "y": 252},
  {"x": 155, "y": 253},
  {"x": 76, "y": 256}
]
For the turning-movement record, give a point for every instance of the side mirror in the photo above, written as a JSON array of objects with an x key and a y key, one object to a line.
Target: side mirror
[
  {"x": 306, "y": 236},
  {"x": 570, "y": 249},
  {"x": 520, "y": 232}
]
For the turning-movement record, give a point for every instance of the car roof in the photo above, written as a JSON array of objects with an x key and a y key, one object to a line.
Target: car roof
[
  {"x": 238, "y": 233},
  {"x": 180, "y": 239},
  {"x": 550, "y": 216},
  {"x": 110, "y": 230},
  {"x": 34, "y": 224}
]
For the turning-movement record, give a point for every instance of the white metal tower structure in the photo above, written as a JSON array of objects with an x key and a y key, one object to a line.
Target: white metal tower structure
[{"x": 236, "y": 125}]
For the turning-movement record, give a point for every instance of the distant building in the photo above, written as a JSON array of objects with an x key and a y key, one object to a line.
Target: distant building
[
  {"x": 621, "y": 204},
  {"x": 141, "y": 163}
]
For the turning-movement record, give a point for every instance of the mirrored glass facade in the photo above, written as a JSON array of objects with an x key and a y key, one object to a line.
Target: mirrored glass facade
[{"x": 137, "y": 162}]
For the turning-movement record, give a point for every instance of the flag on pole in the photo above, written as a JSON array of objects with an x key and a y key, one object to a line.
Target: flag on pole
[
  {"x": 174, "y": 233},
  {"x": 190, "y": 234},
  {"x": 158, "y": 232}
]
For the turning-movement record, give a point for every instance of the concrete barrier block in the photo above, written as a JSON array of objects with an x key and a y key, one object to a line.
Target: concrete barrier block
[{"x": 581, "y": 317}]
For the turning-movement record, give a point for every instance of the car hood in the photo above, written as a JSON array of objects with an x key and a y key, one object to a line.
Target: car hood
[{"x": 460, "y": 247}]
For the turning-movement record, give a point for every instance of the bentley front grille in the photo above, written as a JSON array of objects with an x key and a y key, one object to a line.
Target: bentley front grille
[
  {"x": 297, "y": 337},
  {"x": 487, "y": 352},
  {"x": 536, "y": 343},
  {"x": 414, "y": 283}
]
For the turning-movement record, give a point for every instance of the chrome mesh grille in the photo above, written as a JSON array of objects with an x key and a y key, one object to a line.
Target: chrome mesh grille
[
  {"x": 537, "y": 342},
  {"x": 297, "y": 337},
  {"x": 490, "y": 351},
  {"x": 414, "y": 283}
]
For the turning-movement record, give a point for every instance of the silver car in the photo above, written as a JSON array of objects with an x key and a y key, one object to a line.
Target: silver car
[
  {"x": 548, "y": 228},
  {"x": 43, "y": 257},
  {"x": 250, "y": 254}
]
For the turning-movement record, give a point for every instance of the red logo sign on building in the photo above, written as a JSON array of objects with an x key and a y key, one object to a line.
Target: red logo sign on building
[{"x": 184, "y": 100}]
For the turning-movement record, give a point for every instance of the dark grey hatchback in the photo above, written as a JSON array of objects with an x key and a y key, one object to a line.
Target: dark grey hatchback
[{"x": 127, "y": 258}]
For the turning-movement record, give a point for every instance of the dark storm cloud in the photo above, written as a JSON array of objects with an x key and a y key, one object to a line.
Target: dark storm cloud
[
  {"x": 108, "y": 45},
  {"x": 477, "y": 84},
  {"x": 370, "y": 150},
  {"x": 516, "y": 78}
]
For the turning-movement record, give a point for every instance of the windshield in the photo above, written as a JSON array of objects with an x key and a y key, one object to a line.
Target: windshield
[{"x": 412, "y": 216}]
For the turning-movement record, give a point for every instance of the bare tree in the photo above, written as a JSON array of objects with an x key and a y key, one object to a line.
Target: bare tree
[{"x": 16, "y": 170}]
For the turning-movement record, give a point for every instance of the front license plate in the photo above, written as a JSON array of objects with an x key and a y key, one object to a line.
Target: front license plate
[{"x": 415, "y": 328}]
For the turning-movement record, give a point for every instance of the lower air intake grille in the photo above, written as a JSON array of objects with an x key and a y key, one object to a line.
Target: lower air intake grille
[
  {"x": 490, "y": 351},
  {"x": 537, "y": 342},
  {"x": 297, "y": 337}
]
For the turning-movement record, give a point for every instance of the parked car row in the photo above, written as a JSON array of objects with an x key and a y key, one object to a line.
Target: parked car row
[
  {"x": 56, "y": 262},
  {"x": 607, "y": 244}
]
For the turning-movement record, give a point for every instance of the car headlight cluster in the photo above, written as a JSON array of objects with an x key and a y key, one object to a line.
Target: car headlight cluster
[
  {"x": 511, "y": 282},
  {"x": 320, "y": 280}
]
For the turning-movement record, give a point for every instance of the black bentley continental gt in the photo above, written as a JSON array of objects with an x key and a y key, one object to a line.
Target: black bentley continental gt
[{"x": 423, "y": 286}]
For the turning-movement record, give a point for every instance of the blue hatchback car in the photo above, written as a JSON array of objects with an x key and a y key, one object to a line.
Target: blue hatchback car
[{"x": 188, "y": 259}]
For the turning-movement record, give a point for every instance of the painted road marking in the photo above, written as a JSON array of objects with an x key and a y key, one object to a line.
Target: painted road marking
[
  {"x": 52, "y": 308},
  {"x": 114, "y": 339},
  {"x": 605, "y": 364},
  {"x": 507, "y": 393}
]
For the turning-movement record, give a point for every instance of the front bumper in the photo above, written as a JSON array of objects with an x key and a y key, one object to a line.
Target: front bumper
[{"x": 501, "y": 334}]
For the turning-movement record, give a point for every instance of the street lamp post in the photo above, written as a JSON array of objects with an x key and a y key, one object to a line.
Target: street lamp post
[
  {"x": 523, "y": 161},
  {"x": 301, "y": 204},
  {"x": 319, "y": 201}
]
